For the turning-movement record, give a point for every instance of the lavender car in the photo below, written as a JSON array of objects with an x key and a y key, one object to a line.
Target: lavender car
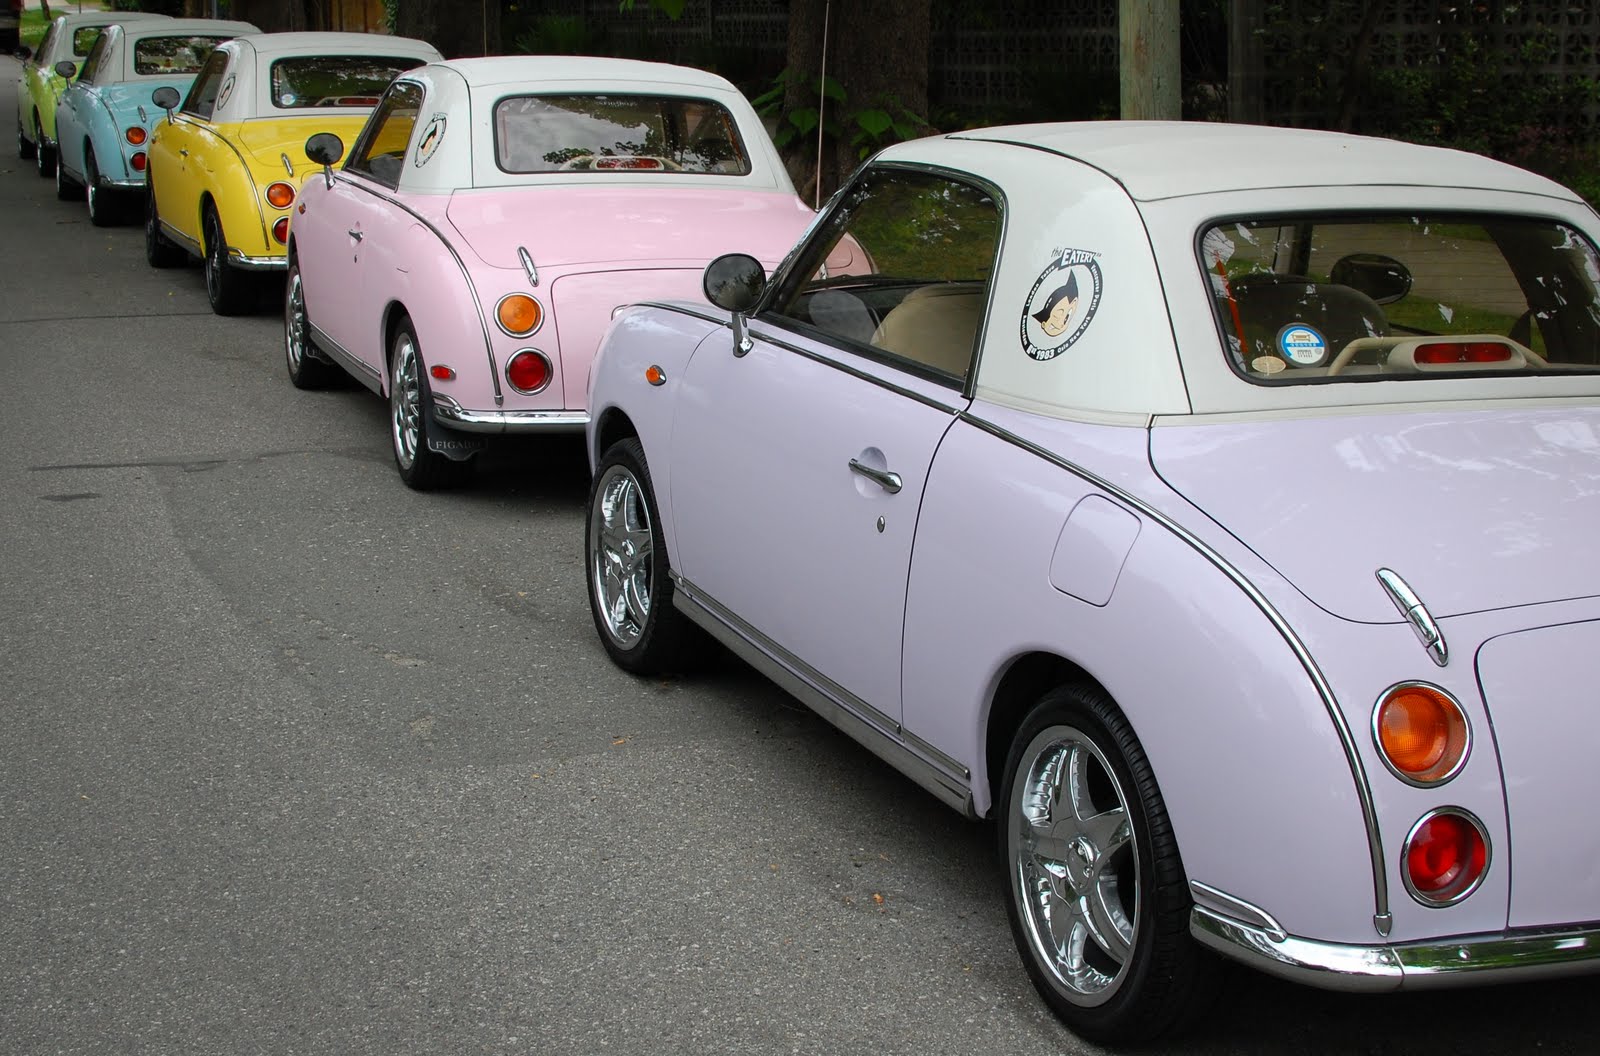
[
  {"x": 1218, "y": 530},
  {"x": 491, "y": 216}
]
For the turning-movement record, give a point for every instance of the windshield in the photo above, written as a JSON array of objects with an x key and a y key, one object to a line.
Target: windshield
[
  {"x": 616, "y": 133},
  {"x": 335, "y": 80},
  {"x": 1313, "y": 298}
]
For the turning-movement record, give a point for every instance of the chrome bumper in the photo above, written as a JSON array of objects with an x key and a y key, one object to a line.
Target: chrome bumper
[
  {"x": 106, "y": 183},
  {"x": 451, "y": 413},
  {"x": 244, "y": 263},
  {"x": 1469, "y": 960}
]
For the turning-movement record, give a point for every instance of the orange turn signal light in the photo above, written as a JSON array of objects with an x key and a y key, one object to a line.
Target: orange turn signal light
[
  {"x": 1422, "y": 733},
  {"x": 518, "y": 314},
  {"x": 280, "y": 195},
  {"x": 135, "y": 135}
]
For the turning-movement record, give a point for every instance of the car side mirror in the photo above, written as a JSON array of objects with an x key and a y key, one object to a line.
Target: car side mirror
[
  {"x": 734, "y": 282},
  {"x": 325, "y": 149},
  {"x": 166, "y": 98},
  {"x": 1382, "y": 278},
  {"x": 66, "y": 69}
]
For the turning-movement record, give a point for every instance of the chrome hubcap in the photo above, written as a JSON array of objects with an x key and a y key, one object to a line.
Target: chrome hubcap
[
  {"x": 623, "y": 557},
  {"x": 1074, "y": 864},
  {"x": 405, "y": 402},
  {"x": 294, "y": 329},
  {"x": 214, "y": 261}
]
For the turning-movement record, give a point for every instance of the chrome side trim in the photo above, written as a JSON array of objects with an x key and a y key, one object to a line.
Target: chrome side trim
[
  {"x": 454, "y": 415},
  {"x": 365, "y": 373},
  {"x": 1416, "y": 613},
  {"x": 244, "y": 263},
  {"x": 180, "y": 238},
  {"x": 1381, "y": 918},
  {"x": 122, "y": 185},
  {"x": 527, "y": 266},
  {"x": 867, "y": 726},
  {"x": 1472, "y": 960},
  {"x": 472, "y": 288},
  {"x": 1240, "y": 909}
]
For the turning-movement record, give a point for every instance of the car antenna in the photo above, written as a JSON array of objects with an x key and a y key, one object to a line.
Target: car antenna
[{"x": 822, "y": 101}]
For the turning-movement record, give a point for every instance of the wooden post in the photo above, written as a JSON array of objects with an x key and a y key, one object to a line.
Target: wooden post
[
  {"x": 1245, "y": 63},
  {"x": 1149, "y": 61}
]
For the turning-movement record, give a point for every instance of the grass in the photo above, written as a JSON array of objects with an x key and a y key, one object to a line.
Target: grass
[{"x": 32, "y": 27}]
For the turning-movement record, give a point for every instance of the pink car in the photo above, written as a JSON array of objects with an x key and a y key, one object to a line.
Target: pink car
[{"x": 490, "y": 218}]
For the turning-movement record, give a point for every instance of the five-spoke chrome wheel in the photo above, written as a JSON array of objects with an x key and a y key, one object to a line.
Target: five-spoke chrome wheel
[
  {"x": 622, "y": 555},
  {"x": 1075, "y": 870}
]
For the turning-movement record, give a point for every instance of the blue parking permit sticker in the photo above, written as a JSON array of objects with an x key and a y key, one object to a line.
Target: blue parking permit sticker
[{"x": 1302, "y": 345}]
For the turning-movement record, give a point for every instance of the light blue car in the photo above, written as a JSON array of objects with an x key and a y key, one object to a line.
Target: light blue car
[{"x": 105, "y": 116}]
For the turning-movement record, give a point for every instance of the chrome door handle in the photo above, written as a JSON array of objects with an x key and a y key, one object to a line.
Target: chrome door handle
[
  {"x": 353, "y": 233},
  {"x": 886, "y": 480},
  {"x": 183, "y": 152}
]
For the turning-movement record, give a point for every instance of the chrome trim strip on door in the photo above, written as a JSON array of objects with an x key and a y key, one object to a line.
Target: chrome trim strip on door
[
  {"x": 477, "y": 301},
  {"x": 1416, "y": 614},
  {"x": 1381, "y": 918},
  {"x": 365, "y": 373},
  {"x": 879, "y": 734},
  {"x": 180, "y": 238}
]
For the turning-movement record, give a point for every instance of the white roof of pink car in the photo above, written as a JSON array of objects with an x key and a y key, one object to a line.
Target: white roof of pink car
[{"x": 533, "y": 69}]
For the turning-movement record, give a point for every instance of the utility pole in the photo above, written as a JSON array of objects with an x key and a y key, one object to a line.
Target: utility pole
[
  {"x": 1149, "y": 60},
  {"x": 1245, "y": 62}
]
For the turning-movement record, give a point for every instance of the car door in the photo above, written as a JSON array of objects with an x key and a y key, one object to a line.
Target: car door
[
  {"x": 357, "y": 226},
  {"x": 34, "y": 84},
  {"x": 75, "y": 110},
  {"x": 797, "y": 469},
  {"x": 172, "y": 153}
]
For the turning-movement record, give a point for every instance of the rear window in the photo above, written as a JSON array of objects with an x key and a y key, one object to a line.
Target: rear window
[
  {"x": 1316, "y": 298},
  {"x": 172, "y": 56},
  {"x": 84, "y": 38},
  {"x": 617, "y": 133},
  {"x": 334, "y": 80}
]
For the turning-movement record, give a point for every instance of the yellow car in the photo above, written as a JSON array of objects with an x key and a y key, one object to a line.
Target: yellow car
[
  {"x": 68, "y": 39},
  {"x": 225, "y": 166}
]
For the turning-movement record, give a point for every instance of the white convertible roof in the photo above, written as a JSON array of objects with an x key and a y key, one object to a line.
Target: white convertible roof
[
  {"x": 1168, "y": 159},
  {"x": 183, "y": 27},
  {"x": 529, "y": 70},
  {"x": 275, "y": 45}
]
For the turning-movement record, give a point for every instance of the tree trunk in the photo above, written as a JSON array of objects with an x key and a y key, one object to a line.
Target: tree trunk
[
  {"x": 1149, "y": 63},
  {"x": 273, "y": 16},
  {"x": 458, "y": 28}
]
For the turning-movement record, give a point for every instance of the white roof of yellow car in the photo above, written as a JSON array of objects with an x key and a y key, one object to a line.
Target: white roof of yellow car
[{"x": 277, "y": 45}]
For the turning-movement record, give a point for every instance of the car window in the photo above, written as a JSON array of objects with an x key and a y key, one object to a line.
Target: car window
[
  {"x": 84, "y": 39},
  {"x": 901, "y": 269},
  {"x": 611, "y": 133},
  {"x": 202, "y": 100},
  {"x": 334, "y": 80},
  {"x": 172, "y": 56},
  {"x": 381, "y": 150},
  {"x": 1313, "y": 298},
  {"x": 97, "y": 54}
]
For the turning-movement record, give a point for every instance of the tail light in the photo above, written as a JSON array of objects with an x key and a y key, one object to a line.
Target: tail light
[
  {"x": 280, "y": 195},
  {"x": 518, "y": 314},
  {"x": 1443, "y": 353},
  {"x": 135, "y": 135},
  {"x": 1446, "y": 857},
  {"x": 137, "y": 161},
  {"x": 528, "y": 372},
  {"x": 280, "y": 230},
  {"x": 1422, "y": 733},
  {"x": 442, "y": 373}
]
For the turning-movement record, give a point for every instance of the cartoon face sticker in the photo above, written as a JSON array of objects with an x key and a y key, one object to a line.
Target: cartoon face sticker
[
  {"x": 1061, "y": 304},
  {"x": 432, "y": 136},
  {"x": 227, "y": 91}
]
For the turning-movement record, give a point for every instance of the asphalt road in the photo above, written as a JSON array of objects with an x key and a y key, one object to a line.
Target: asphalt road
[{"x": 296, "y": 760}]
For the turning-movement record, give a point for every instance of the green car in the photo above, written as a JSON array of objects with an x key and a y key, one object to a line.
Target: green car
[{"x": 68, "y": 40}]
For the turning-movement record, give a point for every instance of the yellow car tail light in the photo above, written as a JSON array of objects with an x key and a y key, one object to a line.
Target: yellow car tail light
[{"x": 280, "y": 195}]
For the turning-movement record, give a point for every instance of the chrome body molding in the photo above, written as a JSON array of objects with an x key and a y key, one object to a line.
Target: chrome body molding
[
  {"x": 451, "y": 413},
  {"x": 125, "y": 184},
  {"x": 365, "y": 373},
  {"x": 943, "y": 777},
  {"x": 1416, "y": 613},
  {"x": 1381, "y": 916},
  {"x": 1240, "y": 909},
  {"x": 1470, "y": 960},
  {"x": 244, "y": 263},
  {"x": 181, "y": 239}
]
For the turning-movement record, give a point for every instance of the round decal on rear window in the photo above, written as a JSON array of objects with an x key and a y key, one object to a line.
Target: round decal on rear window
[
  {"x": 227, "y": 91},
  {"x": 432, "y": 136},
  {"x": 1061, "y": 304},
  {"x": 1302, "y": 345}
]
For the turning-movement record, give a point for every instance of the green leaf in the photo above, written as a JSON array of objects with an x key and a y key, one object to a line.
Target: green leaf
[
  {"x": 833, "y": 89},
  {"x": 803, "y": 120},
  {"x": 874, "y": 122}
]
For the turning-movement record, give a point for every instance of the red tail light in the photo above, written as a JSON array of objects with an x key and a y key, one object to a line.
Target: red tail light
[
  {"x": 442, "y": 373},
  {"x": 138, "y": 162},
  {"x": 1441, "y": 353},
  {"x": 280, "y": 230},
  {"x": 1446, "y": 856},
  {"x": 628, "y": 163},
  {"x": 528, "y": 372},
  {"x": 135, "y": 135}
]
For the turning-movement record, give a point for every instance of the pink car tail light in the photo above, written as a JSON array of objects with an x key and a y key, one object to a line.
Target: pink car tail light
[
  {"x": 280, "y": 230},
  {"x": 138, "y": 162},
  {"x": 528, "y": 372},
  {"x": 442, "y": 373},
  {"x": 1443, "y": 353},
  {"x": 1422, "y": 733},
  {"x": 518, "y": 314},
  {"x": 280, "y": 195},
  {"x": 1446, "y": 856},
  {"x": 135, "y": 135}
]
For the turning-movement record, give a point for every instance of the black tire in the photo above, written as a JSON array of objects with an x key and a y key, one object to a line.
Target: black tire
[
  {"x": 409, "y": 398},
  {"x": 627, "y": 570},
  {"x": 67, "y": 189},
  {"x": 44, "y": 159},
  {"x": 159, "y": 251},
  {"x": 229, "y": 290},
  {"x": 105, "y": 207},
  {"x": 1114, "y": 874},
  {"x": 25, "y": 147},
  {"x": 306, "y": 371}
]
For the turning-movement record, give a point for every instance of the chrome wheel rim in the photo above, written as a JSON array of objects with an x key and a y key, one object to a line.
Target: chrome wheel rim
[
  {"x": 1074, "y": 864},
  {"x": 294, "y": 322},
  {"x": 89, "y": 182},
  {"x": 214, "y": 262},
  {"x": 405, "y": 402},
  {"x": 622, "y": 555}
]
